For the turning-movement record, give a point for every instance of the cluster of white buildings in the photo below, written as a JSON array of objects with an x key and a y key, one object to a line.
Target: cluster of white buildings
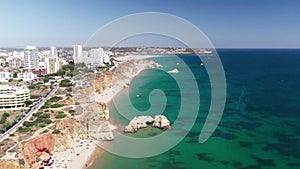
[
  {"x": 92, "y": 57},
  {"x": 26, "y": 76},
  {"x": 30, "y": 63}
]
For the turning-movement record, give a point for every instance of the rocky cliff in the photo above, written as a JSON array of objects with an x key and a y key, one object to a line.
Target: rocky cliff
[
  {"x": 10, "y": 165},
  {"x": 123, "y": 74},
  {"x": 70, "y": 131},
  {"x": 33, "y": 149},
  {"x": 95, "y": 120},
  {"x": 103, "y": 81}
]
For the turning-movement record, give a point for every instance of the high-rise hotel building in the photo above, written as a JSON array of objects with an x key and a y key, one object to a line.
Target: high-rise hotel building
[
  {"x": 53, "y": 51},
  {"x": 77, "y": 53},
  {"x": 31, "y": 57},
  {"x": 52, "y": 64},
  {"x": 13, "y": 97}
]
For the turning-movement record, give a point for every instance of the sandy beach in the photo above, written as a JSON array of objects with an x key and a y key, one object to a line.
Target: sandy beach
[
  {"x": 109, "y": 94},
  {"x": 136, "y": 57},
  {"x": 85, "y": 152},
  {"x": 76, "y": 158}
]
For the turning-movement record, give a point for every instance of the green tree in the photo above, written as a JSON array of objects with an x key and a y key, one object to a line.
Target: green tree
[
  {"x": 46, "y": 79},
  {"x": 15, "y": 75},
  {"x": 65, "y": 83},
  {"x": 56, "y": 131},
  {"x": 28, "y": 102}
]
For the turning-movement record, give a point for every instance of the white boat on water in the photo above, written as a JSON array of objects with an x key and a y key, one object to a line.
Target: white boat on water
[{"x": 173, "y": 71}]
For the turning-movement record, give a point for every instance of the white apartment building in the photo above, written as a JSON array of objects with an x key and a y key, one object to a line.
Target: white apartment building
[
  {"x": 53, "y": 51},
  {"x": 27, "y": 76},
  {"x": 4, "y": 76},
  {"x": 52, "y": 64},
  {"x": 13, "y": 97},
  {"x": 31, "y": 57},
  {"x": 15, "y": 62},
  {"x": 93, "y": 57},
  {"x": 98, "y": 57},
  {"x": 77, "y": 53},
  {"x": 2, "y": 62}
]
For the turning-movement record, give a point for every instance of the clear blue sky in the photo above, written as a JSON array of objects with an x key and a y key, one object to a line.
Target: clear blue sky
[{"x": 228, "y": 23}]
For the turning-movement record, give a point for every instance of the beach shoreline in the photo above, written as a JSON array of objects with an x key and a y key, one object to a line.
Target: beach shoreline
[
  {"x": 93, "y": 156},
  {"x": 87, "y": 158},
  {"x": 112, "y": 93},
  {"x": 107, "y": 95}
]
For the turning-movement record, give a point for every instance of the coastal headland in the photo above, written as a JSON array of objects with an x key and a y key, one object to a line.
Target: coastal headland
[{"x": 73, "y": 140}]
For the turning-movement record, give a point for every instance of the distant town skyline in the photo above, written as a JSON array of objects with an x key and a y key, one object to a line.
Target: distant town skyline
[{"x": 228, "y": 24}]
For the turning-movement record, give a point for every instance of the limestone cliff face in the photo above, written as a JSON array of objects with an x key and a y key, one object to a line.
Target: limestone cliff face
[
  {"x": 103, "y": 81},
  {"x": 94, "y": 111},
  {"x": 121, "y": 75},
  {"x": 95, "y": 120},
  {"x": 70, "y": 131},
  {"x": 10, "y": 165}
]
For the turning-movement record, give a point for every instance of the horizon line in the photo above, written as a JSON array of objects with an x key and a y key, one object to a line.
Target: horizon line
[{"x": 1, "y": 48}]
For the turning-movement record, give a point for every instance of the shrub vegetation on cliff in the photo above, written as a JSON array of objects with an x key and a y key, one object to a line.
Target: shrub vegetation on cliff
[
  {"x": 65, "y": 83},
  {"x": 56, "y": 131},
  {"x": 60, "y": 115},
  {"x": 23, "y": 129}
]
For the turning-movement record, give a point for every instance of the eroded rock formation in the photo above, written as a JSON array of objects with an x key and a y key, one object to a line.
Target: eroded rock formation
[
  {"x": 103, "y": 81},
  {"x": 33, "y": 149},
  {"x": 161, "y": 121},
  {"x": 138, "y": 122},
  {"x": 94, "y": 119},
  {"x": 70, "y": 131}
]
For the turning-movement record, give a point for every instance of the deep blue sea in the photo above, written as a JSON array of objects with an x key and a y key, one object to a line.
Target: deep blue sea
[{"x": 260, "y": 126}]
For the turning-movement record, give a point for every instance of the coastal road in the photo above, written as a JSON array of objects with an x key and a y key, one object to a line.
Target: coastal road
[{"x": 29, "y": 113}]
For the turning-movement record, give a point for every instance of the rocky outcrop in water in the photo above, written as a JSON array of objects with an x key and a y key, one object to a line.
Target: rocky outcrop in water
[
  {"x": 138, "y": 122},
  {"x": 161, "y": 122}
]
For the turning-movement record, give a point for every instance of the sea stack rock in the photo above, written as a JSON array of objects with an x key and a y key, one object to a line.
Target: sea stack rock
[
  {"x": 161, "y": 121},
  {"x": 139, "y": 122}
]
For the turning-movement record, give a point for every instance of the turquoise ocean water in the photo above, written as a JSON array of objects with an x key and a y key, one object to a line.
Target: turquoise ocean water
[{"x": 260, "y": 127}]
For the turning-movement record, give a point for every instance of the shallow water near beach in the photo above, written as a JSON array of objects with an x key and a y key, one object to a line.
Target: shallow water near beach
[{"x": 260, "y": 126}]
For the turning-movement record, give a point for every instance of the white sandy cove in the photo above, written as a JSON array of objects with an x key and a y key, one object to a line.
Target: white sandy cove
[{"x": 107, "y": 95}]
